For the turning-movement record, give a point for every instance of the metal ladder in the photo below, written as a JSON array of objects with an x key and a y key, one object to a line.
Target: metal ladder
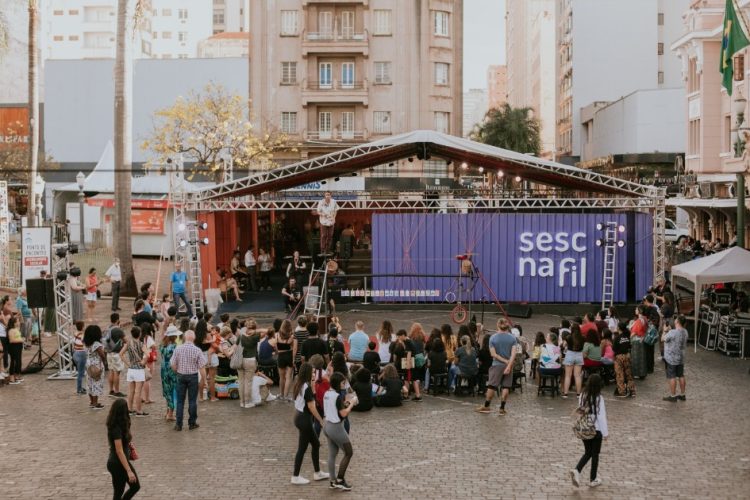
[
  {"x": 610, "y": 254},
  {"x": 314, "y": 302},
  {"x": 194, "y": 267}
]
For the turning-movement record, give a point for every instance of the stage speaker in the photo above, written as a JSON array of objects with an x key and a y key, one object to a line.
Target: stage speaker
[
  {"x": 40, "y": 293},
  {"x": 518, "y": 310}
]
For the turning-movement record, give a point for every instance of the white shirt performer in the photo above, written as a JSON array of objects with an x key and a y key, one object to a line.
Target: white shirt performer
[
  {"x": 115, "y": 276},
  {"x": 326, "y": 211}
]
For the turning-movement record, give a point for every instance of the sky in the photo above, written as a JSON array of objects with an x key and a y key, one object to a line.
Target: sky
[{"x": 484, "y": 40}]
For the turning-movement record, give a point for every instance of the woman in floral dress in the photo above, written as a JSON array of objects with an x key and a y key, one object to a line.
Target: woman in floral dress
[
  {"x": 168, "y": 376},
  {"x": 96, "y": 357}
]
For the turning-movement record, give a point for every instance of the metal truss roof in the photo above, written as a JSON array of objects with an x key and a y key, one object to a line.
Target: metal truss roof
[
  {"x": 395, "y": 204},
  {"x": 425, "y": 143}
]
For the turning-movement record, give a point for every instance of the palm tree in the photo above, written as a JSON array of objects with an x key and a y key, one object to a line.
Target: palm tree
[
  {"x": 510, "y": 128},
  {"x": 33, "y": 80},
  {"x": 123, "y": 154}
]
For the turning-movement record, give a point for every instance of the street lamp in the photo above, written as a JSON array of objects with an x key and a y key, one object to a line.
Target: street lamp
[
  {"x": 80, "y": 179},
  {"x": 39, "y": 193}
]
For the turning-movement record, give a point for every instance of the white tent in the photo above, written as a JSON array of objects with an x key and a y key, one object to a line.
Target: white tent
[{"x": 728, "y": 266}]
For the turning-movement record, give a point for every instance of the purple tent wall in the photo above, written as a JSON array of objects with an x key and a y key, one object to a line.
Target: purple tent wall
[{"x": 426, "y": 244}]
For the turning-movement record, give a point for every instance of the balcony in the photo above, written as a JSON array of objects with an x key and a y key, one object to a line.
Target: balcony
[
  {"x": 305, "y": 3},
  {"x": 334, "y": 92},
  {"x": 335, "y": 42},
  {"x": 336, "y": 135}
]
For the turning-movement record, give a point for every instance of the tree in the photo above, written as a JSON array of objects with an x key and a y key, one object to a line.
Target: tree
[
  {"x": 123, "y": 153},
  {"x": 208, "y": 124},
  {"x": 510, "y": 128},
  {"x": 33, "y": 81}
]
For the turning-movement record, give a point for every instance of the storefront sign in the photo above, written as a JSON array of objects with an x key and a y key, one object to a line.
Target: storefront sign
[
  {"x": 36, "y": 251},
  {"x": 14, "y": 127},
  {"x": 343, "y": 184},
  {"x": 135, "y": 203},
  {"x": 147, "y": 221}
]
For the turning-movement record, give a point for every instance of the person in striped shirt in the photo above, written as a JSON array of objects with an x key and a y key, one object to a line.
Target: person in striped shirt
[{"x": 188, "y": 362}]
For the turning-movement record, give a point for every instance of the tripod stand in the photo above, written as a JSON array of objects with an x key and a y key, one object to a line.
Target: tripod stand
[{"x": 41, "y": 359}]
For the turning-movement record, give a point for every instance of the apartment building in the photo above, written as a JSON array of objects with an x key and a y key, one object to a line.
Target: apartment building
[
  {"x": 226, "y": 44},
  {"x": 86, "y": 29},
  {"x": 716, "y": 123},
  {"x": 607, "y": 49},
  {"x": 476, "y": 105},
  {"x": 330, "y": 73},
  {"x": 230, "y": 16},
  {"x": 497, "y": 86}
]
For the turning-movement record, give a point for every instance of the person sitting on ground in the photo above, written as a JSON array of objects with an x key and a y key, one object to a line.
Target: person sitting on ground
[
  {"x": 261, "y": 392},
  {"x": 466, "y": 360},
  {"x": 358, "y": 341},
  {"x": 437, "y": 359},
  {"x": 333, "y": 340},
  {"x": 549, "y": 357},
  {"x": 338, "y": 364},
  {"x": 389, "y": 393},
  {"x": 608, "y": 353},
  {"x": 592, "y": 352},
  {"x": 292, "y": 294},
  {"x": 228, "y": 283},
  {"x": 371, "y": 359},
  {"x": 362, "y": 387}
]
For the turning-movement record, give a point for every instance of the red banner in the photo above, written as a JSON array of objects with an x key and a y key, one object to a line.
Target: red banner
[
  {"x": 147, "y": 221},
  {"x": 134, "y": 203}
]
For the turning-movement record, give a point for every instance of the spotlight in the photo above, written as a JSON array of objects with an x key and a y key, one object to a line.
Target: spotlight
[
  {"x": 481, "y": 170},
  {"x": 599, "y": 242},
  {"x": 448, "y": 163},
  {"x": 203, "y": 225},
  {"x": 62, "y": 275},
  {"x": 61, "y": 252},
  {"x": 500, "y": 173},
  {"x": 183, "y": 243},
  {"x": 337, "y": 179},
  {"x": 73, "y": 248},
  {"x": 599, "y": 226},
  {"x": 181, "y": 227},
  {"x": 323, "y": 182},
  {"x": 354, "y": 174},
  {"x": 518, "y": 178},
  {"x": 621, "y": 243},
  {"x": 464, "y": 165},
  {"x": 391, "y": 163},
  {"x": 621, "y": 228},
  {"x": 205, "y": 241},
  {"x": 411, "y": 160}
]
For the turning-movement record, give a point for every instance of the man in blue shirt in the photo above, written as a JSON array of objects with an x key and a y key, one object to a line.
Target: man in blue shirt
[
  {"x": 178, "y": 284},
  {"x": 503, "y": 352},
  {"x": 358, "y": 341}
]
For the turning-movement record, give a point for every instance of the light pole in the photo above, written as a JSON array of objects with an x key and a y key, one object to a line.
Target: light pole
[
  {"x": 39, "y": 193},
  {"x": 80, "y": 179}
]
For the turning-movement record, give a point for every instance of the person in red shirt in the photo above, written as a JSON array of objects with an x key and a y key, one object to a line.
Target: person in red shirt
[
  {"x": 640, "y": 325},
  {"x": 588, "y": 326}
]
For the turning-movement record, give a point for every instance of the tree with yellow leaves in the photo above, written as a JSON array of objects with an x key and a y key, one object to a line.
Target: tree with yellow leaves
[{"x": 205, "y": 126}]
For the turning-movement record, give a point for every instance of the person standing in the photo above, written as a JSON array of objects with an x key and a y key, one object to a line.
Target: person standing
[
  {"x": 25, "y": 316},
  {"x": 248, "y": 342},
  {"x": 136, "y": 361},
  {"x": 92, "y": 290},
  {"x": 336, "y": 409},
  {"x": 266, "y": 265},
  {"x": 96, "y": 364},
  {"x": 168, "y": 376},
  {"x": 187, "y": 362},
  {"x": 623, "y": 371},
  {"x": 113, "y": 346},
  {"x": 305, "y": 411},
  {"x": 5, "y": 316},
  {"x": 15, "y": 347},
  {"x": 178, "y": 285},
  {"x": 79, "y": 357},
  {"x": 675, "y": 342},
  {"x": 76, "y": 291},
  {"x": 590, "y": 402},
  {"x": 503, "y": 352},
  {"x": 114, "y": 274},
  {"x": 250, "y": 266},
  {"x": 326, "y": 211},
  {"x": 121, "y": 451}
]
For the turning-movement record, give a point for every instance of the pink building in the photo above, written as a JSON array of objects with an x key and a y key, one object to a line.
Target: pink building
[
  {"x": 497, "y": 86},
  {"x": 716, "y": 151}
]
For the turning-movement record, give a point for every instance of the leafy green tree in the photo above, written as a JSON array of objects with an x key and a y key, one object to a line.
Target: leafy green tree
[{"x": 510, "y": 128}]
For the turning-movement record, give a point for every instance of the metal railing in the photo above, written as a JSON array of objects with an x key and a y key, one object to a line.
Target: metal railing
[
  {"x": 335, "y": 36},
  {"x": 330, "y": 85},
  {"x": 336, "y": 135}
]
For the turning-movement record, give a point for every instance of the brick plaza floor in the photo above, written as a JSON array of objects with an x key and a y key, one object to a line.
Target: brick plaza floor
[{"x": 53, "y": 446}]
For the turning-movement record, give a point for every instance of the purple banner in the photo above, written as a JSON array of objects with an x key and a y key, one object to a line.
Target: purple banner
[{"x": 539, "y": 258}]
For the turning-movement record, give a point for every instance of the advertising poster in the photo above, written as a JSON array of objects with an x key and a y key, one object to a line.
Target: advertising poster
[
  {"x": 147, "y": 221},
  {"x": 36, "y": 251}
]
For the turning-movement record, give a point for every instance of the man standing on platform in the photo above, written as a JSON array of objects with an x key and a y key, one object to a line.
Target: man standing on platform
[
  {"x": 178, "y": 284},
  {"x": 250, "y": 266},
  {"x": 326, "y": 211}
]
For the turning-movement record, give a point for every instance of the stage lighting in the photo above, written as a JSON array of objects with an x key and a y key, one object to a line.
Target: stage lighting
[
  {"x": 411, "y": 159},
  {"x": 354, "y": 174},
  {"x": 621, "y": 243},
  {"x": 181, "y": 227},
  {"x": 621, "y": 228},
  {"x": 599, "y": 226},
  {"x": 481, "y": 170},
  {"x": 205, "y": 241},
  {"x": 61, "y": 252},
  {"x": 324, "y": 182},
  {"x": 183, "y": 243},
  {"x": 464, "y": 165},
  {"x": 448, "y": 163},
  {"x": 73, "y": 248},
  {"x": 391, "y": 163},
  {"x": 518, "y": 178},
  {"x": 337, "y": 179},
  {"x": 203, "y": 225},
  {"x": 62, "y": 275},
  {"x": 500, "y": 173},
  {"x": 599, "y": 242}
]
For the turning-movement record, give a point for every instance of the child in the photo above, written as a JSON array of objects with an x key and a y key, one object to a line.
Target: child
[
  {"x": 371, "y": 359},
  {"x": 608, "y": 354},
  {"x": 336, "y": 410},
  {"x": 538, "y": 343}
]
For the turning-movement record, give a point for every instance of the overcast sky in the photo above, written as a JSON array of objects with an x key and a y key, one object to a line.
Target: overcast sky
[{"x": 484, "y": 40}]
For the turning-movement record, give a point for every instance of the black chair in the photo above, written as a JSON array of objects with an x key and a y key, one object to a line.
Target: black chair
[
  {"x": 438, "y": 383},
  {"x": 517, "y": 376},
  {"x": 549, "y": 383},
  {"x": 466, "y": 386}
]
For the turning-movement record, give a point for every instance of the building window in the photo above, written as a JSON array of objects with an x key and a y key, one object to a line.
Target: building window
[
  {"x": 660, "y": 77},
  {"x": 145, "y": 47},
  {"x": 434, "y": 168},
  {"x": 660, "y": 19},
  {"x": 347, "y": 125},
  {"x": 288, "y": 73},
  {"x": 694, "y": 137},
  {"x": 385, "y": 170},
  {"x": 73, "y": 12},
  {"x": 182, "y": 36},
  {"x": 347, "y": 75},
  {"x": 289, "y": 22},
  {"x": 182, "y": 14},
  {"x": 166, "y": 12},
  {"x": 324, "y": 125},
  {"x": 441, "y": 23},
  {"x": 289, "y": 122},
  {"x": 218, "y": 16},
  {"x": 58, "y": 38},
  {"x": 660, "y": 48},
  {"x": 382, "y": 22},
  {"x": 442, "y": 122},
  {"x": 727, "y": 133},
  {"x": 381, "y": 122},
  {"x": 166, "y": 56},
  {"x": 166, "y": 35},
  {"x": 693, "y": 83},
  {"x": 383, "y": 72},
  {"x": 73, "y": 38},
  {"x": 441, "y": 73},
  {"x": 739, "y": 68},
  {"x": 182, "y": 56},
  {"x": 57, "y": 12}
]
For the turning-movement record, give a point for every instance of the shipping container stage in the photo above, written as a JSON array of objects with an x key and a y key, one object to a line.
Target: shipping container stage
[{"x": 543, "y": 241}]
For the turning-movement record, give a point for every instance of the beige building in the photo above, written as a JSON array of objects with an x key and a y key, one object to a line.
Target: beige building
[
  {"x": 225, "y": 45},
  {"x": 497, "y": 86},
  {"x": 716, "y": 124},
  {"x": 331, "y": 73}
]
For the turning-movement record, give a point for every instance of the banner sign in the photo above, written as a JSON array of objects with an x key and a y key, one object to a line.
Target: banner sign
[
  {"x": 147, "y": 221},
  {"x": 36, "y": 252},
  {"x": 549, "y": 258},
  {"x": 97, "y": 201}
]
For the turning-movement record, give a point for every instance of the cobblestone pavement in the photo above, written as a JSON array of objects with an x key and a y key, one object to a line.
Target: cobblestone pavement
[{"x": 53, "y": 446}]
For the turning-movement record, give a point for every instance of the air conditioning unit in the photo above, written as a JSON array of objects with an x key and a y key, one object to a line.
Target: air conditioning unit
[{"x": 705, "y": 190}]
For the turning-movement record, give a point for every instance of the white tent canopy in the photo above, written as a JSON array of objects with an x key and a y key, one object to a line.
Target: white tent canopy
[{"x": 729, "y": 266}]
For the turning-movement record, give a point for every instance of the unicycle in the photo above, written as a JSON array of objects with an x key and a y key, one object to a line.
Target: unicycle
[{"x": 459, "y": 314}]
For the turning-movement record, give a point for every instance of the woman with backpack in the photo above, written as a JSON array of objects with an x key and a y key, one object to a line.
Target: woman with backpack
[{"x": 591, "y": 407}]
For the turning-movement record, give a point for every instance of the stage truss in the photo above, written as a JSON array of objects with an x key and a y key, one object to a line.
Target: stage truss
[{"x": 64, "y": 316}]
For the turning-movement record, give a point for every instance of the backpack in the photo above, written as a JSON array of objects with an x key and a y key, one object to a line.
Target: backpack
[
  {"x": 321, "y": 386},
  {"x": 584, "y": 425},
  {"x": 652, "y": 335}
]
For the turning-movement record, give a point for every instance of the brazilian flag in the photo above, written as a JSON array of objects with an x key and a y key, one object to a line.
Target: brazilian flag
[{"x": 735, "y": 39}]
